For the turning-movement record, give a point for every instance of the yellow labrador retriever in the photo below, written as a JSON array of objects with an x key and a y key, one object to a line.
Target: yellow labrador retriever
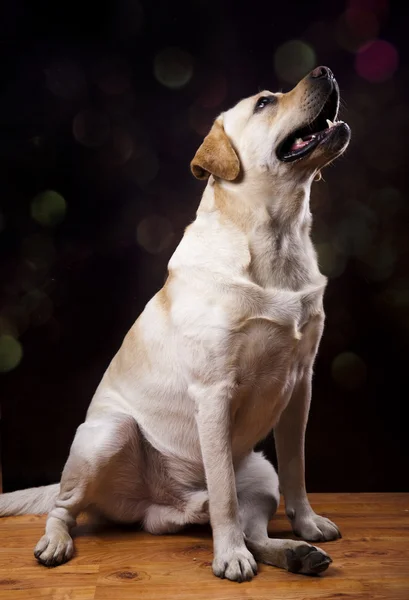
[{"x": 219, "y": 357}]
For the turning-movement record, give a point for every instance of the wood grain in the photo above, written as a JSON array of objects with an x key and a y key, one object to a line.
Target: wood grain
[{"x": 370, "y": 562}]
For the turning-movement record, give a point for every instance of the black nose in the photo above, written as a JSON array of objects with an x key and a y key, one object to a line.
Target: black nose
[{"x": 321, "y": 73}]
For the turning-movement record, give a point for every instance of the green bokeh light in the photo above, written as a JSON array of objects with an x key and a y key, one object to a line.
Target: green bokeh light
[
  {"x": 173, "y": 67},
  {"x": 11, "y": 353},
  {"x": 293, "y": 60},
  {"x": 349, "y": 370},
  {"x": 48, "y": 208}
]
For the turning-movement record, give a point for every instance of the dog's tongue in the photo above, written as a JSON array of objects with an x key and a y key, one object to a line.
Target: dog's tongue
[{"x": 301, "y": 143}]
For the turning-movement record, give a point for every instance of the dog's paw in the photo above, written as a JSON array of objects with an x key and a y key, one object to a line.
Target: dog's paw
[
  {"x": 307, "y": 560},
  {"x": 237, "y": 564},
  {"x": 55, "y": 549},
  {"x": 314, "y": 528}
]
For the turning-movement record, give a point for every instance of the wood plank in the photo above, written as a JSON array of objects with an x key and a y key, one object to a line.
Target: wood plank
[
  {"x": 50, "y": 593},
  {"x": 370, "y": 561}
]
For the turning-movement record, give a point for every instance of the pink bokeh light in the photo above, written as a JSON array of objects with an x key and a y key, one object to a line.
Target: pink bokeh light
[{"x": 377, "y": 61}]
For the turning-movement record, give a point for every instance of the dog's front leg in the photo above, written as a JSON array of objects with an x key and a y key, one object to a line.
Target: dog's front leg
[
  {"x": 232, "y": 559},
  {"x": 289, "y": 436}
]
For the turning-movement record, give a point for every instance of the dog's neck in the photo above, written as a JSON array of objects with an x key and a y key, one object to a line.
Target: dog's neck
[{"x": 275, "y": 222}]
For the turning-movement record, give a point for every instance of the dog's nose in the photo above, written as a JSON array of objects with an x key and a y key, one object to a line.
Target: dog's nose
[{"x": 321, "y": 73}]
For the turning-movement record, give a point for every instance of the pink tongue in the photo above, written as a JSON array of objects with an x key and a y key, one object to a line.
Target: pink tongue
[{"x": 301, "y": 143}]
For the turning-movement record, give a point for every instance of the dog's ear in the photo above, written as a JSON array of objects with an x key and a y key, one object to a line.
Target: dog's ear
[{"x": 216, "y": 156}]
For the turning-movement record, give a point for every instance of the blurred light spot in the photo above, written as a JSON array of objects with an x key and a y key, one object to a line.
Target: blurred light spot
[
  {"x": 349, "y": 370},
  {"x": 293, "y": 60},
  {"x": 362, "y": 22},
  {"x": 377, "y": 61},
  {"x": 200, "y": 120},
  {"x": 378, "y": 7},
  {"x": 48, "y": 208},
  {"x": 173, "y": 67},
  {"x": 36, "y": 141},
  {"x": 214, "y": 91},
  {"x": 113, "y": 75},
  {"x": 331, "y": 263},
  {"x": 91, "y": 128},
  {"x": 154, "y": 234},
  {"x": 11, "y": 353},
  {"x": 38, "y": 250},
  {"x": 356, "y": 27},
  {"x": 65, "y": 79}
]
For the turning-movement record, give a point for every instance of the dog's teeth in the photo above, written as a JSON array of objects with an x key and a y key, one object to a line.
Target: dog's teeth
[{"x": 330, "y": 123}]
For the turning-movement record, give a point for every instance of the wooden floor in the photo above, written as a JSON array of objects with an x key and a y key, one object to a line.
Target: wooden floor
[{"x": 371, "y": 561}]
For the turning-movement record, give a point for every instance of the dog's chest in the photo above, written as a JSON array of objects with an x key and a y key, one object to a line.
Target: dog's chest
[{"x": 273, "y": 358}]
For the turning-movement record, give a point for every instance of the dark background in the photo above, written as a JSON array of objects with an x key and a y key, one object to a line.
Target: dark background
[{"x": 105, "y": 104}]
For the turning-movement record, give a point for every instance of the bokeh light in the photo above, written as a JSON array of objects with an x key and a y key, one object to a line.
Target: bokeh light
[
  {"x": 48, "y": 208},
  {"x": 293, "y": 60},
  {"x": 91, "y": 128},
  {"x": 11, "y": 353},
  {"x": 356, "y": 27},
  {"x": 377, "y": 61},
  {"x": 349, "y": 370},
  {"x": 173, "y": 67},
  {"x": 154, "y": 234}
]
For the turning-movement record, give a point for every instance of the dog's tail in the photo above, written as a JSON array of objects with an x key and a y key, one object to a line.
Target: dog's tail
[{"x": 35, "y": 501}]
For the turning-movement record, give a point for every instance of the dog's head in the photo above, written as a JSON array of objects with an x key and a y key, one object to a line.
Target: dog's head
[{"x": 277, "y": 134}]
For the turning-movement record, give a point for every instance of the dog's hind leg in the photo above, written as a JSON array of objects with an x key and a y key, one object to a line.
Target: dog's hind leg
[
  {"x": 161, "y": 519},
  {"x": 258, "y": 495},
  {"x": 97, "y": 450}
]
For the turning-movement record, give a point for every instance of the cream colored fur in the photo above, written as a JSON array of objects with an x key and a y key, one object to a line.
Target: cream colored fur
[{"x": 219, "y": 357}]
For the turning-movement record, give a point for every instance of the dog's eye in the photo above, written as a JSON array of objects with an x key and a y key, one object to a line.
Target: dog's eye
[{"x": 263, "y": 101}]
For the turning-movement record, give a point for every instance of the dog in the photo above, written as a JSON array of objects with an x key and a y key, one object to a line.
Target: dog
[{"x": 220, "y": 356}]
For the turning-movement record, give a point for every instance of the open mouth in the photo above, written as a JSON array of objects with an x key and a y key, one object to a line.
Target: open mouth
[{"x": 302, "y": 141}]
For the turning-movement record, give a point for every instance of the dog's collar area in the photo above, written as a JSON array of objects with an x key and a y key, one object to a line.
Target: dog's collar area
[{"x": 302, "y": 141}]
